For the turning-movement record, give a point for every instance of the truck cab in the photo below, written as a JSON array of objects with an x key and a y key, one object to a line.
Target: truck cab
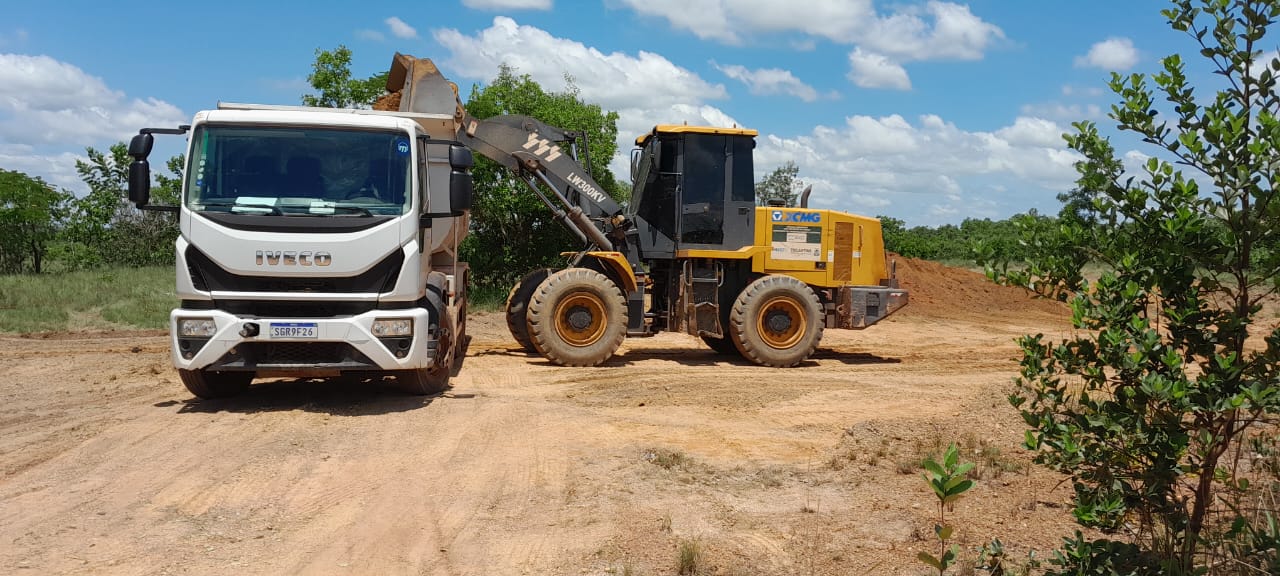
[{"x": 318, "y": 243}]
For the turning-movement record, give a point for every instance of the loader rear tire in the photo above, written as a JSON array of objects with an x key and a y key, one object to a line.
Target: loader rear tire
[
  {"x": 776, "y": 321},
  {"x": 723, "y": 346},
  {"x": 518, "y": 306},
  {"x": 209, "y": 385},
  {"x": 577, "y": 317}
]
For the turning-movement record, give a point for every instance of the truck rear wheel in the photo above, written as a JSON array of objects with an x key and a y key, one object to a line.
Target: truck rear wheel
[
  {"x": 577, "y": 317},
  {"x": 210, "y": 385},
  {"x": 518, "y": 307},
  {"x": 776, "y": 321}
]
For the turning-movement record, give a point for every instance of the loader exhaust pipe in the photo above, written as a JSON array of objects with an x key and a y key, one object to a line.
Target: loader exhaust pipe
[{"x": 804, "y": 196}]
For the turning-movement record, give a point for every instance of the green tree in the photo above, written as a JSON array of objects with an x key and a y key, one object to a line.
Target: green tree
[
  {"x": 1147, "y": 406},
  {"x": 781, "y": 185},
  {"x": 30, "y": 213},
  {"x": 512, "y": 232},
  {"x": 104, "y": 229},
  {"x": 331, "y": 77}
]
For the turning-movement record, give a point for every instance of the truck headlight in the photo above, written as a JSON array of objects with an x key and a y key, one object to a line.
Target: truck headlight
[
  {"x": 393, "y": 327},
  {"x": 197, "y": 327}
]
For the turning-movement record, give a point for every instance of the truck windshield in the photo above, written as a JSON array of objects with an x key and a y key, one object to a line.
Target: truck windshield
[{"x": 287, "y": 171}]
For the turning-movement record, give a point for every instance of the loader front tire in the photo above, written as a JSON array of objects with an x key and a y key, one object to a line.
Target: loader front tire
[
  {"x": 577, "y": 317},
  {"x": 210, "y": 385},
  {"x": 776, "y": 321},
  {"x": 518, "y": 307}
]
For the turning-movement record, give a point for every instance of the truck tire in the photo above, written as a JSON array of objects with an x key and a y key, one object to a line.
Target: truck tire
[
  {"x": 209, "y": 385},
  {"x": 433, "y": 380},
  {"x": 776, "y": 321},
  {"x": 723, "y": 346},
  {"x": 518, "y": 307},
  {"x": 577, "y": 317},
  {"x": 423, "y": 381}
]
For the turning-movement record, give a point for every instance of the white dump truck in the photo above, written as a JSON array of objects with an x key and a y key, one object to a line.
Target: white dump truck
[{"x": 319, "y": 242}]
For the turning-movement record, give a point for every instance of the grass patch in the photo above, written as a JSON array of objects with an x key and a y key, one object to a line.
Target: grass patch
[
  {"x": 87, "y": 299},
  {"x": 668, "y": 459},
  {"x": 689, "y": 562},
  {"x": 488, "y": 298}
]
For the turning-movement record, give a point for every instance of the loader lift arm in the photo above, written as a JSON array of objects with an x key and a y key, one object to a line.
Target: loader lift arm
[{"x": 529, "y": 148}]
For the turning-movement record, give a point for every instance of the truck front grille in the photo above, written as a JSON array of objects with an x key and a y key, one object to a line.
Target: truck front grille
[
  {"x": 267, "y": 355},
  {"x": 208, "y": 275}
]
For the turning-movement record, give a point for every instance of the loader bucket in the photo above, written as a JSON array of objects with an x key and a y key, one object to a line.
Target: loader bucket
[{"x": 422, "y": 88}]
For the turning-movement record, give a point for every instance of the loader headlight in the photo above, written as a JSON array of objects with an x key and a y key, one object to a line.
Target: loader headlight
[
  {"x": 197, "y": 327},
  {"x": 392, "y": 327}
]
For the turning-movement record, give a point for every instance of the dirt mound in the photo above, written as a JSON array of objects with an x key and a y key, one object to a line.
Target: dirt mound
[
  {"x": 388, "y": 102},
  {"x": 945, "y": 291}
]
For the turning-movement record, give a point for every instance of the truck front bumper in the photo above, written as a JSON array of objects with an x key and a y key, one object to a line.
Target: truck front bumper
[{"x": 311, "y": 346}]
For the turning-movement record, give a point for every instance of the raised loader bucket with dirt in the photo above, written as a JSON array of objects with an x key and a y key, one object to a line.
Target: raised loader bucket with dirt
[{"x": 420, "y": 88}]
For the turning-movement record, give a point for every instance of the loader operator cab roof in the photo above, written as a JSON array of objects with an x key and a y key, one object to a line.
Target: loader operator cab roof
[{"x": 681, "y": 128}]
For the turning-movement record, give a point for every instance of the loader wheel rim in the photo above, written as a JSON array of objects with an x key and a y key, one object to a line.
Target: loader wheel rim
[
  {"x": 781, "y": 323},
  {"x": 580, "y": 319}
]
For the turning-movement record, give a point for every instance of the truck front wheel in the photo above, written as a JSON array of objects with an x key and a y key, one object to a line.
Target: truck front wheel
[
  {"x": 210, "y": 385},
  {"x": 577, "y": 317},
  {"x": 423, "y": 381},
  {"x": 776, "y": 321}
]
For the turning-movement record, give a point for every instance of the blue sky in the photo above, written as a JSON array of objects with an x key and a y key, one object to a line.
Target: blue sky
[{"x": 930, "y": 111}]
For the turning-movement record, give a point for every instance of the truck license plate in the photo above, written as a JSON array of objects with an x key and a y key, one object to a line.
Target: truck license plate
[{"x": 294, "y": 330}]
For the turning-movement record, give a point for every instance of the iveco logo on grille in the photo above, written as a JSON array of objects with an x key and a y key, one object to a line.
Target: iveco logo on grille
[{"x": 288, "y": 258}]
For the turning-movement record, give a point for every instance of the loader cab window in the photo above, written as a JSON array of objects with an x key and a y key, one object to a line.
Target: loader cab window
[
  {"x": 658, "y": 180},
  {"x": 274, "y": 171},
  {"x": 703, "y": 190}
]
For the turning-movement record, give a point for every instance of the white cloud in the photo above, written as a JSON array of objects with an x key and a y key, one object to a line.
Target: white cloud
[
  {"x": 47, "y": 106},
  {"x": 924, "y": 167},
  {"x": 883, "y": 41},
  {"x": 507, "y": 4},
  {"x": 956, "y": 34},
  {"x": 1115, "y": 54},
  {"x": 771, "y": 81},
  {"x": 615, "y": 80},
  {"x": 870, "y": 70},
  {"x": 1032, "y": 132},
  {"x": 1063, "y": 112},
  {"x": 938, "y": 30},
  {"x": 399, "y": 29}
]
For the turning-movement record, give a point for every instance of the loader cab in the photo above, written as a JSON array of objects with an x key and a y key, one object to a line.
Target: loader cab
[{"x": 693, "y": 188}]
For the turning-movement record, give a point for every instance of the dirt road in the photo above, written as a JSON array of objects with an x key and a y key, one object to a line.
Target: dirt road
[{"x": 108, "y": 466}]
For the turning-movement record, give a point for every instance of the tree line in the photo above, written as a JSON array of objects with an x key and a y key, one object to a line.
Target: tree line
[{"x": 44, "y": 228}]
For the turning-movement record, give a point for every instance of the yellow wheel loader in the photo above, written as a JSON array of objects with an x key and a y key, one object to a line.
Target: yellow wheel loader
[{"x": 691, "y": 252}]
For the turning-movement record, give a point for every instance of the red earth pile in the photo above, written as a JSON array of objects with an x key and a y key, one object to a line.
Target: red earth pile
[
  {"x": 944, "y": 291},
  {"x": 388, "y": 102}
]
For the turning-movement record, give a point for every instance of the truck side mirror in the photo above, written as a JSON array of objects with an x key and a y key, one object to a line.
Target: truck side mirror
[
  {"x": 140, "y": 183},
  {"x": 140, "y": 169},
  {"x": 461, "y": 194}
]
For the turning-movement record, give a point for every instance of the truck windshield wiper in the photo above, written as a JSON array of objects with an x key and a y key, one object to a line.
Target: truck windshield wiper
[
  {"x": 270, "y": 208},
  {"x": 361, "y": 210}
]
